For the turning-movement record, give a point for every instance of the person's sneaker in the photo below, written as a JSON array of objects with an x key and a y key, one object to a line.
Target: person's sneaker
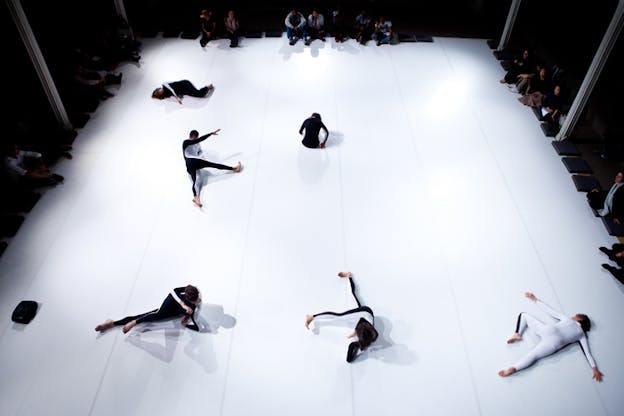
[
  {"x": 308, "y": 42},
  {"x": 605, "y": 251},
  {"x": 292, "y": 41}
]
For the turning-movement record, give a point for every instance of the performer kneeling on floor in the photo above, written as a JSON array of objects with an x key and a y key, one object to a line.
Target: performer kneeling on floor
[{"x": 362, "y": 318}]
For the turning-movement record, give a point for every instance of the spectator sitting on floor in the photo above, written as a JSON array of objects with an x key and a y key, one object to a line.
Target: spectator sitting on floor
[
  {"x": 295, "y": 27},
  {"x": 538, "y": 86},
  {"x": 338, "y": 25},
  {"x": 27, "y": 168},
  {"x": 383, "y": 31},
  {"x": 208, "y": 27},
  {"x": 523, "y": 65},
  {"x": 316, "y": 26},
  {"x": 362, "y": 27},
  {"x": 609, "y": 203},
  {"x": 551, "y": 103},
  {"x": 232, "y": 28}
]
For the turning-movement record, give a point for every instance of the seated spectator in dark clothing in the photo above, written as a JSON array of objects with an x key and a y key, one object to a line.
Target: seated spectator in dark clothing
[
  {"x": 312, "y": 127},
  {"x": 538, "y": 86},
  {"x": 179, "y": 89},
  {"x": 316, "y": 26},
  {"x": 523, "y": 65},
  {"x": 551, "y": 105},
  {"x": 611, "y": 202},
  {"x": 208, "y": 27},
  {"x": 295, "y": 27},
  {"x": 363, "y": 27},
  {"x": 383, "y": 31},
  {"x": 232, "y": 28},
  {"x": 338, "y": 25},
  {"x": 27, "y": 168}
]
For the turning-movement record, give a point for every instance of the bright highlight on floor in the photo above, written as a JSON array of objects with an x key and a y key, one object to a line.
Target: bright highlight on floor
[{"x": 437, "y": 190}]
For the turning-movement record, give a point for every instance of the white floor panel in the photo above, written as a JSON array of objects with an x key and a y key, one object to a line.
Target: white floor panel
[{"x": 437, "y": 189}]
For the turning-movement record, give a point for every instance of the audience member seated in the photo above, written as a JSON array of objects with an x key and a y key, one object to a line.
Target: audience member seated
[
  {"x": 338, "y": 25},
  {"x": 383, "y": 31},
  {"x": 523, "y": 65},
  {"x": 232, "y": 28},
  {"x": 27, "y": 168},
  {"x": 208, "y": 27},
  {"x": 316, "y": 26},
  {"x": 363, "y": 27},
  {"x": 538, "y": 86},
  {"x": 609, "y": 203},
  {"x": 551, "y": 103},
  {"x": 295, "y": 27}
]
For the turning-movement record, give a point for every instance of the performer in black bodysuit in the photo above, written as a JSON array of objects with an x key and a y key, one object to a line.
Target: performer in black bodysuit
[
  {"x": 361, "y": 317},
  {"x": 179, "y": 89},
  {"x": 312, "y": 127},
  {"x": 181, "y": 301},
  {"x": 192, "y": 156}
]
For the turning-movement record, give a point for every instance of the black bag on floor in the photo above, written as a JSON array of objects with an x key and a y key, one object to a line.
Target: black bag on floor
[{"x": 25, "y": 311}]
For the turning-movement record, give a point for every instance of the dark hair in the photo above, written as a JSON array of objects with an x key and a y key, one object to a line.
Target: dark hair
[
  {"x": 191, "y": 293},
  {"x": 316, "y": 115},
  {"x": 157, "y": 94},
  {"x": 366, "y": 333},
  {"x": 585, "y": 322},
  {"x": 193, "y": 133}
]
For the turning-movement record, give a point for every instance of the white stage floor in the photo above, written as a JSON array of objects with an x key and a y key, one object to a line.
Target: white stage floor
[{"x": 438, "y": 190}]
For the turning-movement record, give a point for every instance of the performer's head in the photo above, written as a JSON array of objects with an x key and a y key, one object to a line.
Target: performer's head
[
  {"x": 583, "y": 320},
  {"x": 158, "y": 93},
  {"x": 191, "y": 293},
  {"x": 366, "y": 333},
  {"x": 205, "y": 14},
  {"x": 193, "y": 134},
  {"x": 316, "y": 115}
]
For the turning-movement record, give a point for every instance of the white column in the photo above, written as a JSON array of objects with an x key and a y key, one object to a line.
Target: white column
[
  {"x": 593, "y": 73},
  {"x": 121, "y": 11},
  {"x": 28, "y": 37},
  {"x": 511, "y": 19}
]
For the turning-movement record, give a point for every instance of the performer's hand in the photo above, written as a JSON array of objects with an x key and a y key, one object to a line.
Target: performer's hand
[
  {"x": 185, "y": 320},
  {"x": 178, "y": 100},
  {"x": 597, "y": 375},
  {"x": 188, "y": 310},
  {"x": 216, "y": 132},
  {"x": 531, "y": 296},
  {"x": 323, "y": 145},
  {"x": 352, "y": 335}
]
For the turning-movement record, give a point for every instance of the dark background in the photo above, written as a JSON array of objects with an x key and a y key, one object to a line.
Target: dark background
[{"x": 560, "y": 33}]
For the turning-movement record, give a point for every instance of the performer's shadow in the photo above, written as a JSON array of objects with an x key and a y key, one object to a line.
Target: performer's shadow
[
  {"x": 210, "y": 318},
  {"x": 385, "y": 349}
]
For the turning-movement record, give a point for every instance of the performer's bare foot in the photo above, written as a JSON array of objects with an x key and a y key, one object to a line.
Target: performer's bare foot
[
  {"x": 345, "y": 274},
  {"x": 127, "y": 327},
  {"x": 108, "y": 324},
  {"x": 508, "y": 372},
  {"x": 237, "y": 168},
  {"x": 309, "y": 319},
  {"x": 514, "y": 338},
  {"x": 210, "y": 87},
  {"x": 197, "y": 202}
]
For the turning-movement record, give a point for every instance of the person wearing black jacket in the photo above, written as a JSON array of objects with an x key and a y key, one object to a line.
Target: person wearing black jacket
[
  {"x": 182, "y": 301},
  {"x": 312, "y": 127},
  {"x": 192, "y": 151},
  {"x": 611, "y": 202}
]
